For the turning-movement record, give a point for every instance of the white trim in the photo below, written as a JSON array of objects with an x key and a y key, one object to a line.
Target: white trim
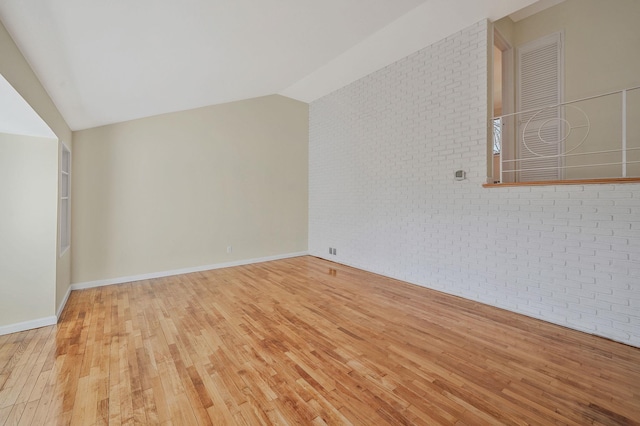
[
  {"x": 63, "y": 303},
  {"x": 64, "y": 251},
  {"x": 508, "y": 141},
  {"x": 52, "y": 320},
  {"x": 540, "y": 317},
  {"x": 120, "y": 280},
  {"x": 28, "y": 325},
  {"x": 67, "y": 226}
]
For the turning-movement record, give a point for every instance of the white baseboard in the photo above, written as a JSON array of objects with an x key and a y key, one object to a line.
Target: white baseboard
[
  {"x": 63, "y": 303},
  {"x": 120, "y": 280},
  {"x": 28, "y": 325},
  {"x": 46, "y": 321},
  {"x": 497, "y": 306}
]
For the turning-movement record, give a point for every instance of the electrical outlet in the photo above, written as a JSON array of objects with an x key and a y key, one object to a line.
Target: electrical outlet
[{"x": 229, "y": 249}]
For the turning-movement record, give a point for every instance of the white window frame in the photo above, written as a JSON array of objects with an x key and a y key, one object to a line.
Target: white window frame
[{"x": 64, "y": 208}]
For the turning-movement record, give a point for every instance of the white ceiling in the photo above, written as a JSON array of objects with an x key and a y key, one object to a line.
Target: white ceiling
[
  {"x": 16, "y": 115},
  {"x": 109, "y": 61}
]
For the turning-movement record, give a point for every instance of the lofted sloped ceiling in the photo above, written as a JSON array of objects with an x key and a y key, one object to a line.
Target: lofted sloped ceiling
[
  {"x": 17, "y": 117},
  {"x": 110, "y": 61}
]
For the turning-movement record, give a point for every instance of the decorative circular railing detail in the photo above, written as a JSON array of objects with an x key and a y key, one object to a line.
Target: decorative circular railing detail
[{"x": 566, "y": 125}]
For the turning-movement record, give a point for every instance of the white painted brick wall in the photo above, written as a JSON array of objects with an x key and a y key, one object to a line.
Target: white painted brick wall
[{"x": 383, "y": 151}]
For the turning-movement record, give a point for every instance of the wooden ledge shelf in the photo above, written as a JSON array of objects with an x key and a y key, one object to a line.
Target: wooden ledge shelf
[{"x": 565, "y": 182}]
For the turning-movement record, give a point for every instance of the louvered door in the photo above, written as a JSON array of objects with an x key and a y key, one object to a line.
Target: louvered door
[{"x": 540, "y": 132}]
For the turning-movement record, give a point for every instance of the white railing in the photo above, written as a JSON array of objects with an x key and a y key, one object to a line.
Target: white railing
[{"x": 592, "y": 137}]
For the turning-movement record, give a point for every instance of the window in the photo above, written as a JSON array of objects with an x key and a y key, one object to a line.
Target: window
[
  {"x": 497, "y": 136},
  {"x": 65, "y": 199}
]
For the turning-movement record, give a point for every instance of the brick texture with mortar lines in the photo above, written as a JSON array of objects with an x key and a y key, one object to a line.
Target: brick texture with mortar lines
[{"x": 382, "y": 156}]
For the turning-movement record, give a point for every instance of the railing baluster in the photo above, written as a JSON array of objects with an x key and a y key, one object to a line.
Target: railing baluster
[
  {"x": 624, "y": 133},
  {"x": 512, "y": 163},
  {"x": 501, "y": 151}
]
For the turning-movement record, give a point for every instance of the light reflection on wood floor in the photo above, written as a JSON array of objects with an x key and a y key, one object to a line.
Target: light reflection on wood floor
[{"x": 306, "y": 341}]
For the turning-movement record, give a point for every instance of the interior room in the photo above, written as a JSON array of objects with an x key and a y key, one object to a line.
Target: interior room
[{"x": 343, "y": 212}]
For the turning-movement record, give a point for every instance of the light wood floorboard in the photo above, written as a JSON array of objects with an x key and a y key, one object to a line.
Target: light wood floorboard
[{"x": 306, "y": 341}]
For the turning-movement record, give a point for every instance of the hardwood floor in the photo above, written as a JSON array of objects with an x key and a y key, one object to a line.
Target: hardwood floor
[{"x": 306, "y": 341}]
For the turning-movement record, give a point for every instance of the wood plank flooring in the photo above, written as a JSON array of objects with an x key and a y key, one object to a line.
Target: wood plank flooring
[{"x": 306, "y": 341}]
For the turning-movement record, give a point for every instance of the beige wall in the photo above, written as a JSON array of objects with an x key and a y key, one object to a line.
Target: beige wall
[
  {"x": 601, "y": 43},
  {"x": 633, "y": 131},
  {"x": 28, "y": 184},
  {"x": 173, "y": 191},
  {"x": 601, "y": 40},
  {"x": 17, "y": 71}
]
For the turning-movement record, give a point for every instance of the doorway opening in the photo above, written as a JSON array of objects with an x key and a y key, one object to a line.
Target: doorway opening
[{"x": 503, "y": 103}]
